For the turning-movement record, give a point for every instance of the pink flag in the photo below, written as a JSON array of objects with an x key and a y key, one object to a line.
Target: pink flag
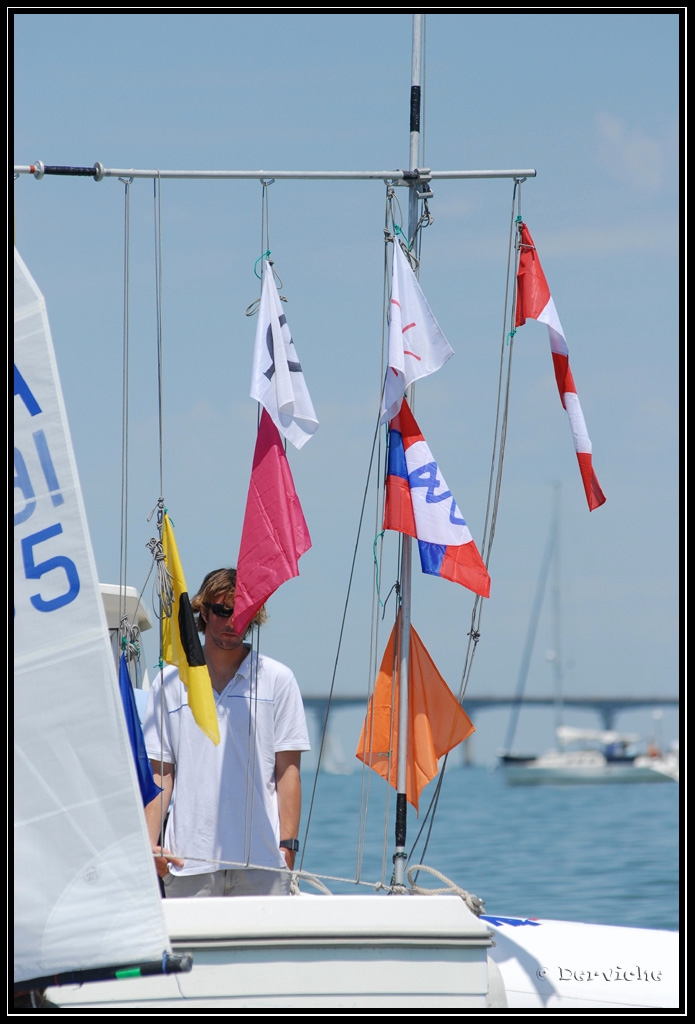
[
  {"x": 275, "y": 534},
  {"x": 535, "y": 301}
]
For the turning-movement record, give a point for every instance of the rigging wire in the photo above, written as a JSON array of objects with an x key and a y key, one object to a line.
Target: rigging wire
[
  {"x": 265, "y": 216},
  {"x": 340, "y": 638},
  {"x": 163, "y": 589},
  {"x": 495, "y": 479},
  {"x": 158, "y": 299},
  {"x": 129, "y": 633},
  {"x": 391, "y": 198},
  {"x": 500, "y": 431},
  {"x": 123, "y": 555}
]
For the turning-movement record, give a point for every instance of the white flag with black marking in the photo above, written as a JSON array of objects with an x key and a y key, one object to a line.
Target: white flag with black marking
[{"x": 277, "y": 381}]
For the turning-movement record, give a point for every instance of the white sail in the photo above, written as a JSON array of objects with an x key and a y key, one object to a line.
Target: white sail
[{"x": 86, "y": 892}]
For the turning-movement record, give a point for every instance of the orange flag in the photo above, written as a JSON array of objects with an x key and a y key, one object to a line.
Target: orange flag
[{"x": 436, "y": 721}]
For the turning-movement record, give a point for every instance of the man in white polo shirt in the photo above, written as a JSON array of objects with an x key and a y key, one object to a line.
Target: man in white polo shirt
[{"x": 236, "y": 806}]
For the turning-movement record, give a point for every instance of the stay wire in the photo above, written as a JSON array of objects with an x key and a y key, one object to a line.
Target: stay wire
[
  {"x": 158, "y": 296},
  {"x": 340, "y": 639},
  {"x": 265, "y": 215},
  {"x": 123, "y": 554},
  {"x": 499, "y": 437},
  {"x": 367, "y": 775},
  {"x": 494, "y": 485},
  {"x": 163, "y": 582}
]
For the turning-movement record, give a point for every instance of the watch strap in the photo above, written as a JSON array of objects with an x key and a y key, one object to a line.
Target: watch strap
[{"x": 290, "y": 844}]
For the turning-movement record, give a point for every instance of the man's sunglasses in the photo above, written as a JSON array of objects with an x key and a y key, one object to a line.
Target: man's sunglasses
[{"x": 220, "y": 609}]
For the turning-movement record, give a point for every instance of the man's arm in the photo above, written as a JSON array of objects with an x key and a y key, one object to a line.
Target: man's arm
[
  {"x": 289, "y": 791},
  {"x": 155, "y": 812}
]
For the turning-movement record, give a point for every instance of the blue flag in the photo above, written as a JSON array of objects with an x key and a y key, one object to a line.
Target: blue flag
[{"x": 148, "y": 787}]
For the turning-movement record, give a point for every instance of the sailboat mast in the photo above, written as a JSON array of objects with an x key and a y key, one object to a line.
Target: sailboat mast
[{"x": 406, "y": 549}]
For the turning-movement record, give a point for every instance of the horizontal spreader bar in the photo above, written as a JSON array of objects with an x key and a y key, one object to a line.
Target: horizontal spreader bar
[{"x": 98, "y": 172}]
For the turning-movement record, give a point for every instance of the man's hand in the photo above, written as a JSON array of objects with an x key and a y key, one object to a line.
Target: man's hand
[
  {"x": 289, "y": 856},
  {"x": 164, "y": 858}
]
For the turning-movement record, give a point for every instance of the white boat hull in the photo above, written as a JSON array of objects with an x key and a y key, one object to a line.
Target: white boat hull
[
  {"x": 314, "y": 951},
  {"x": 564, "y": 768},
  {"x": 565, "y": 964}
]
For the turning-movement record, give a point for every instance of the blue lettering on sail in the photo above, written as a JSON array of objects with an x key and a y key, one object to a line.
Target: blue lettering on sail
[
  {"x": 22, "y": 389},
  {"x": 34, "y": 570},
  {"x": 47, "y": 467},
  {"x": 22, "y": 483}
]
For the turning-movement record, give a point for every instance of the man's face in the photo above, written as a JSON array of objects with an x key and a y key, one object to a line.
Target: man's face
[{"x": 220, "y": 626}]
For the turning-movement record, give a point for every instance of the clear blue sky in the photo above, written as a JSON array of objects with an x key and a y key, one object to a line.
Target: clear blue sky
[{"x": 589, "y": 100}]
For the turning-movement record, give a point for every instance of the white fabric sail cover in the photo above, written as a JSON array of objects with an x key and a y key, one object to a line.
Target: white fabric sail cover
[{"x": 86, "y": 892}]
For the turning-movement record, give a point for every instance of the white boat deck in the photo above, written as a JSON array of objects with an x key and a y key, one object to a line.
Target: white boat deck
[{"x": 315, "y": 951}]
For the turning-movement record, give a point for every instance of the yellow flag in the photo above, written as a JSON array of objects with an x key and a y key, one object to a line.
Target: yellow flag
[{"x": 182, "y": 646}]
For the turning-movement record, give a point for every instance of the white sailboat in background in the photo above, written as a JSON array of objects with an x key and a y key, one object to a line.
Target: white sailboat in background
[
  {"x": 402, "y": 950},
  {"x": 581, "y": 756}
]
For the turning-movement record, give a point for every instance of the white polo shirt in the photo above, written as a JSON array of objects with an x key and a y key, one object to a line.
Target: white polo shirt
[{"x": 225, "y": 809}]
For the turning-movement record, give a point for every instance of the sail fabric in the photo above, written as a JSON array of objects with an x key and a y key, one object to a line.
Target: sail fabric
[
  {"x": 277, "y": 379},
  {"x": 86, "y": 894},
  {"x": 148, "y": 787},
  {"x": 436, "y": 721},
  {"x": 181, "y": 644},
  {"x": 417, "y": 346},
  {"x": 419, "y": 503},
  {"x": 535, "y": 302},
  {"x": 274, "y": 535}
]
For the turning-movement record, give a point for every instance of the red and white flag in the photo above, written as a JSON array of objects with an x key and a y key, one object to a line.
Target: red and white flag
[
  {"x": 274, "y": 535},
  {"x": 417, "y": 346},
  {"x": 534, "y": 301}
]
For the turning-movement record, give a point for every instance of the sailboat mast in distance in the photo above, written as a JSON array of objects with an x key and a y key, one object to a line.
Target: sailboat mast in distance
[{"x": 406, "y": 550}]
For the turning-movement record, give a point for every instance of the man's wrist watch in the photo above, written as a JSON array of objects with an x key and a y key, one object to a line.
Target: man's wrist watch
[{"x": 290, "y": 844}]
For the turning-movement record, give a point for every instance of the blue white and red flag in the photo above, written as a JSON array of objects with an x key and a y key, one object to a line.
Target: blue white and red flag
[{"x": 419, "y": 503}]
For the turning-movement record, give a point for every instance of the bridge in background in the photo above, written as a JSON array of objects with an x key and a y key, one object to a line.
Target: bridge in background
[{"x": 606, "y": 707}]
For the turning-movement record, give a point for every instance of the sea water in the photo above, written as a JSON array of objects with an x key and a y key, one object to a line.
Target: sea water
[{"x": 603, "y": 854}]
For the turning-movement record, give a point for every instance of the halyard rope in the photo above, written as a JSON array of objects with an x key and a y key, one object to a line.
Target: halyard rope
[{"x": 474, "y": 903}]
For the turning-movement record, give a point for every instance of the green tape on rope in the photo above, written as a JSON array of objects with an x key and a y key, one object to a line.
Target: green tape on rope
[{"x": 263, "y": 257}]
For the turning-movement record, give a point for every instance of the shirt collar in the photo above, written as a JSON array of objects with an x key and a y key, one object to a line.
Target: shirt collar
[{"x": 244, "y": 669}]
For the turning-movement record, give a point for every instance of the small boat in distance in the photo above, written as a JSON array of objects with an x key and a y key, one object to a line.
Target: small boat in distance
[
  {"x": 591, "y": 756},
  {"x": 582, "y": 755}
]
